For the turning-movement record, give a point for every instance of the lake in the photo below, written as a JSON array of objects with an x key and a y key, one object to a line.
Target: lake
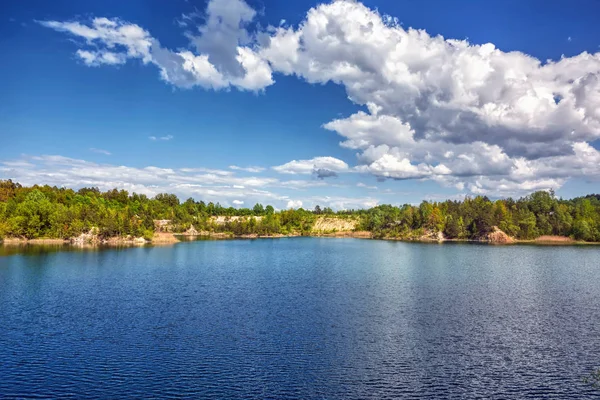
[{"x": 313, "y": 318}]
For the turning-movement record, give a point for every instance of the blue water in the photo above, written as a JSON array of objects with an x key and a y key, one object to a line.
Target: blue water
[{"x": 300, "y": 318}]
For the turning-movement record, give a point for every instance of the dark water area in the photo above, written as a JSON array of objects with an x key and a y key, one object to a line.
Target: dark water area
[{"x": 311, "y": 318}]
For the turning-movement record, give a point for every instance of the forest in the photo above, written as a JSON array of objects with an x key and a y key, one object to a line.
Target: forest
[{"x": 52, "y": 212}]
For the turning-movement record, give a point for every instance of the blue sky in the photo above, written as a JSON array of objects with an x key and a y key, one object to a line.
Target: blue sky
[{"x": 302, "y": 103}]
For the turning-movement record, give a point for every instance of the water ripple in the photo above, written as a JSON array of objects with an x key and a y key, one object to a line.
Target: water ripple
[{"x": 268, "y": 319}]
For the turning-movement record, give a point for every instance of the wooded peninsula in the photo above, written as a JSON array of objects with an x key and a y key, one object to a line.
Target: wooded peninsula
[{"x": 60, "y": 213}]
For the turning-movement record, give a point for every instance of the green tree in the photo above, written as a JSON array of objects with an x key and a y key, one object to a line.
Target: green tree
[
  {"x": 527, "y": 225},
  {"x": 258, "y": 209},
  {"x": 33, "y": 215},
  {"x": 582, "y": 230}
]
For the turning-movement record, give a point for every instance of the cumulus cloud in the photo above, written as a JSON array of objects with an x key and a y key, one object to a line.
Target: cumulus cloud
[
  {"x": 321, "y": 167},
  {"x": 444, "y": 109},
  {"x": 294, "y": 204},
  {"x": 238, "y": 202},
  {"x": 322, "y": 173},
  {"x": 222, "y": 33},
  {"x": 224, "y": 54},
  {"x": 469, "y": 116}
]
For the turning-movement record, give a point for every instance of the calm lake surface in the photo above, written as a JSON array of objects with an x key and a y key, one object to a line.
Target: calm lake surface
[{"x": 300, "y": 318}]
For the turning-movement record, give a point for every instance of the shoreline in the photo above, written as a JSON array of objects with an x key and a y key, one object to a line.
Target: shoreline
[
  {"x": 115, "y": 241},
  {"x": 163, "y": 238}
]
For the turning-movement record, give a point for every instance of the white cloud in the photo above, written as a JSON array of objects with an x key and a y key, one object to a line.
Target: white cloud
[
  {"x": 64, "y": 171},
  {"x": 469, "y": 116},
  {"x": 252, "y": 169},
  {"x": 100, "y": 151},
  {"x": 161, "y": 138},
  {"x": 391, "y": 166},
  {"x": 187, "y": 70},
  {"x": 321, "y": 167},
  {"x": 343, "y": 203},
  {"x": 197, "y": 182},
  {"x": 294, "y": 204},
  {"x": 207, "y": 170},
  {"x": 97, "y": 58},
  {"x": 362, "y": 130},
  {"x": 224, "y": 55},
  {"x": 257, "y": 72},
  {"x": 445, "y": 109},
  {"x": 223, "y": 32},
  {"x": 115, "y": 36}
]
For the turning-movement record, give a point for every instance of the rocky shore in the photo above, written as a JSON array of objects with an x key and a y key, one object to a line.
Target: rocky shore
[{"x": 496, "y": 236}]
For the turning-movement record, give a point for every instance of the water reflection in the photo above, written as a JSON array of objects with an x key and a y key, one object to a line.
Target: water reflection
[
  {"x": 9, "y": 249},
  {"x": 299, "y": 318}
]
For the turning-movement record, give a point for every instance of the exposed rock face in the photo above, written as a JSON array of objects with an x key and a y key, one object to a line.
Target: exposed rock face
[
  {"x": 330, "y": 224},
  {"x": 433, "y": 236},
  {"x": 93, "y": 238},
  {"x": 87, "y": 238},
  {"x": 192, "y": 231},
  {"x": 163, "y": 225},
  {"x": 498, "y": 236}
]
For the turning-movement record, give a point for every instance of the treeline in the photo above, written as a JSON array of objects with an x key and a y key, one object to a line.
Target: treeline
[
  {"x": 45, "y": 211},
  {"x": 52, "y": 212},
  {"x": 538, "y": 214}
]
